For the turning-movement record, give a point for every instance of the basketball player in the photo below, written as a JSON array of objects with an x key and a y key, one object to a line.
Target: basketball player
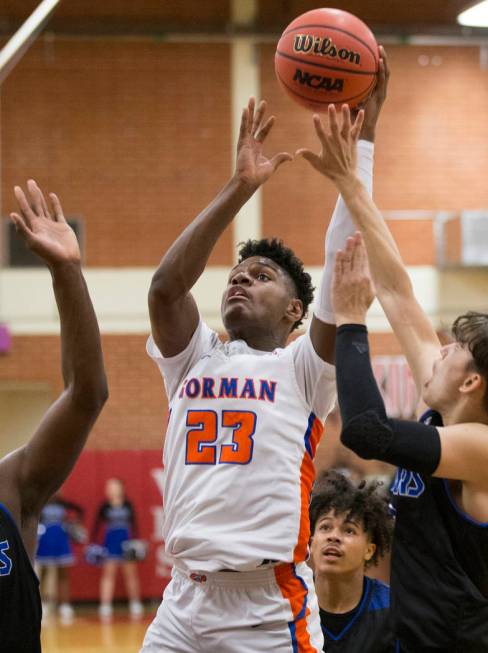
[
  {"x": 439, "y": 579},
  {"x": 245, "y": 419},
  {"x": 31, "y": 474},
  {"x": 351, "y": 530}
]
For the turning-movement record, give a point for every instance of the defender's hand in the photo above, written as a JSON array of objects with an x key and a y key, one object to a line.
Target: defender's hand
[
  {"x": 47, "y": 235},
  {"x": 338, "y": 156},
  {"x": 352, "y": 288},
  {"x": 252, "y": 167}
]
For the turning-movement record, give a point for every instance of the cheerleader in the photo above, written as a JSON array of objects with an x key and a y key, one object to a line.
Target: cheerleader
[{"x": 117, "y": 517}]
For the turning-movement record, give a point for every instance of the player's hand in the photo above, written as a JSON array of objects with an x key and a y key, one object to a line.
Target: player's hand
[
  {"x": 252, "y": 167},
  {"x": 352, "y": 287},
  {"x": 372, "y": 106},
  {"x": 46, "y": 234},
  {"x": 338, "y": 156}
]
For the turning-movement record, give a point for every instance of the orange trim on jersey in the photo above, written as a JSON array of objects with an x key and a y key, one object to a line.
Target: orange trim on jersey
[
  {"x": 307, "y": 476},
  {"x": 294, "y": 590}
]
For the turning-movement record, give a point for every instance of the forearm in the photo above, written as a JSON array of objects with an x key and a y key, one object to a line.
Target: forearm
[
  {"x": 186, "y": 259},
  {"x": 340, "y": 228},
  {"x": 366, "y": 428},
  {"x": 81, "y": 351},
  {"x": 386, "y": 265}
]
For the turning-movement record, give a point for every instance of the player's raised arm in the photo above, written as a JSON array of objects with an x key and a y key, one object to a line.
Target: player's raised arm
[
  {"x": 393, "y": 286},
  {"x": 32, "y": 473},
  {"x": 342, "y": 225},
  {"x": 173, "y": 312}
]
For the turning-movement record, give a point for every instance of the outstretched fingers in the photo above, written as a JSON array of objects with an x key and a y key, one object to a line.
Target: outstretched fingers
[
  {"x": 319, "y": 129},
  {"x": 358, "y": 123},
  {"x": 346, "y": 121},
  {"x": 311, "y": 157},
  {"x": 37, "y": 201},
  {"x": 21, "y": 225},
  {"x": 27, "y": 213},
  {"x": 57, "y": 208},
  {"x": 258, "y": 118},
  {"x": 244, "y": 128},
  {"x": 278, "y": 159},
  {"x": 262, "y": 131},
  {"x": 333, "y": 121}
]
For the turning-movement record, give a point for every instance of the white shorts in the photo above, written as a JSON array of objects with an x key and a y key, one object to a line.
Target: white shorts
[{"x": 265, "y": 611}]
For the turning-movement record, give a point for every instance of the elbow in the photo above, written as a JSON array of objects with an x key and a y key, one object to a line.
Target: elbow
[
  {"x": 163, "y": 290},
  {"x": 91, "y": 397},
  {"x": 367, "y": 434}
]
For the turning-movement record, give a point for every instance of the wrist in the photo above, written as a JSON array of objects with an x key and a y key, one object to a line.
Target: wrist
[
  {"x": 241, "y": 187},
  {"x": 348, "y": 184},
  {"x": 358, "y": 319},
  {"x": 368, "y": 132},
  {"x": 64, "y": 269}
]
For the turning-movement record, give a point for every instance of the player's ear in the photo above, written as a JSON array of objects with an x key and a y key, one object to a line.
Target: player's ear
[
  {"x": 370, "y": 551},
  {"x": 473, "y": 382},
  {"x": 294, "y": 311}
]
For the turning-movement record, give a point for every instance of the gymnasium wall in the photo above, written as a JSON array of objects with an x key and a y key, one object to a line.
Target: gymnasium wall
[{"x": 135, "y": 136}]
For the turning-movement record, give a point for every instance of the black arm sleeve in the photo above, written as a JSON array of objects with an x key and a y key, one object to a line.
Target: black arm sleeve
[{"x": 366, "y": 428}]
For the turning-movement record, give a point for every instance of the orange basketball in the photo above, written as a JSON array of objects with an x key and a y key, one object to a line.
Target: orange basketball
[{"x": 327, "y": 56}]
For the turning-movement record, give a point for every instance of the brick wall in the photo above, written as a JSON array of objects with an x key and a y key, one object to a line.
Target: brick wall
[
  {"x": 134, "y": 136},
  {"x": 430, "y": 154}
]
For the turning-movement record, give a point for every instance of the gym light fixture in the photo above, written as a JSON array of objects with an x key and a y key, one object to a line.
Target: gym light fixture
[{"x": 476, "y": 16}]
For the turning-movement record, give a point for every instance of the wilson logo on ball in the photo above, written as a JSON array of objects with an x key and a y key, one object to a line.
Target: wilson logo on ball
[
  {"x": 325, "y": 47},
  {"x": 317, "y": 81}
]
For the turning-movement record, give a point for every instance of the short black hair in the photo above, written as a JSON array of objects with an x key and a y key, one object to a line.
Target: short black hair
[
  {"x": 274, "y": 249},
  {"x": 471, "y": 330},
  {"x": 333, "y": 491}
]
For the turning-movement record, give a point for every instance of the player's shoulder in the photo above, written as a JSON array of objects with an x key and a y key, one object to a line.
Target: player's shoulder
[{"x": 380, "y": 595}]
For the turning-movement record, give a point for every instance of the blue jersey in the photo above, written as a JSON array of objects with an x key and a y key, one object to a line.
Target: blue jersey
[
  {"x": 439, "y": 573},
  {"x": 20, "y": 601},
  {"x": 366, "y": 629}
]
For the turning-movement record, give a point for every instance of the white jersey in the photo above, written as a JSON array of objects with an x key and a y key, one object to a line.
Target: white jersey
[{"x": 238, "y": 456}]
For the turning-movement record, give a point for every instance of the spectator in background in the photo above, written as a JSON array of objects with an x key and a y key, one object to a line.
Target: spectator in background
[
  {"x": 351, "y": 530},
  {"x": 54, "y": 552},
  {"x": 117, "y": 516}
]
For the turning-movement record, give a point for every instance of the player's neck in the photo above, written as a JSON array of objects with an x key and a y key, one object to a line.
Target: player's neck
[
  {"x": 339, "y": 593},
  {"x": 258, "y": 339},
  {"x": 462, "y": 413}
]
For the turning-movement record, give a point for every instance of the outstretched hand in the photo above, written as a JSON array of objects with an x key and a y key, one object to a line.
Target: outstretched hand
[
  {"x": 252, "y": 167},
  {"x": 49, "y": 236},
  {"x": 352, "y": 287},
  {"x": 338, "y": 156}
]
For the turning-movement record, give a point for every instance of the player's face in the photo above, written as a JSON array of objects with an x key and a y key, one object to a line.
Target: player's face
[
  {"x": 340, "y": 545},
  {"x": 449, "y": 372},
  {"x": 257, "y": 296}
]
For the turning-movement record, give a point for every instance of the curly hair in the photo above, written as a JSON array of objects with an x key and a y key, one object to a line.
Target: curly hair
[
  {"x": 275, "y": 250},
  {"x": 333, "y": 491}
]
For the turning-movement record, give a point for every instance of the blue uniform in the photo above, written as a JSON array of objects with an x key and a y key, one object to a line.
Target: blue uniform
[
  {"x": 119, "y": 522},
  {"x": 439, "y": 571},
  {"x": 54, "y": 546},
  {"x": 366, "y": 629},
  {"x": 20, "y": 601}
]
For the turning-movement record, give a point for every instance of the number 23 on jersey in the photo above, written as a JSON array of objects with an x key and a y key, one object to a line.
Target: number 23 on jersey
[{"x": 203, "y": 432}]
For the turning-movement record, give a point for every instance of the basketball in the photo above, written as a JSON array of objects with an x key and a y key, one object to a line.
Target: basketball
[{"x": 327, "y": 56}]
